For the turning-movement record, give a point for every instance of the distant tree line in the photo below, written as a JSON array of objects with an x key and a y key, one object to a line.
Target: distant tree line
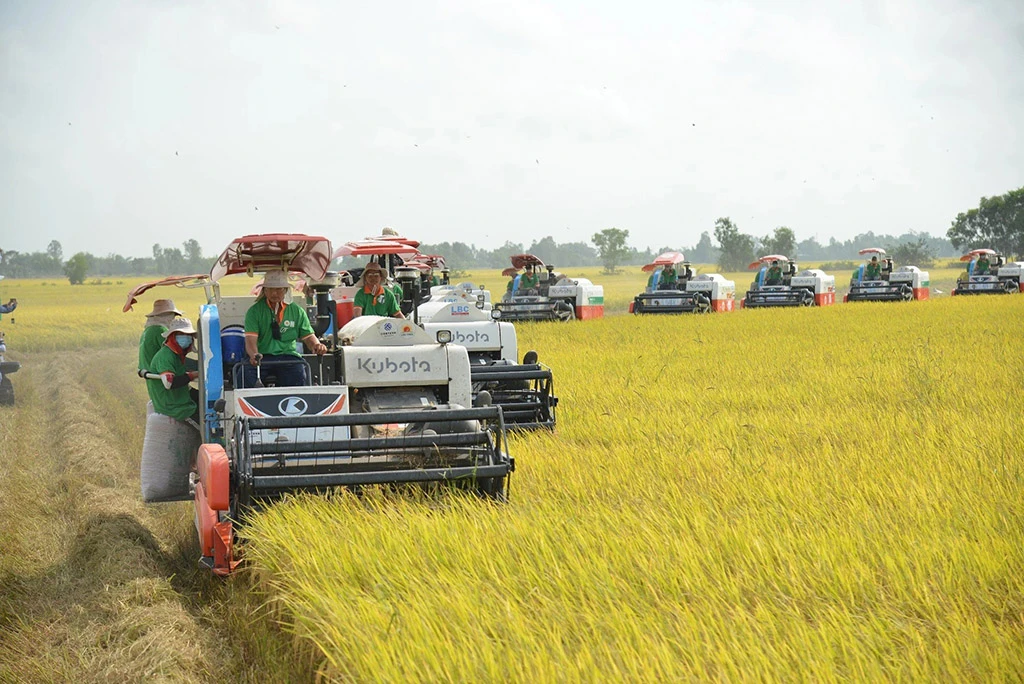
[
  {"x": 51, "y": 263},
  {"x": 997, "y": 223}
]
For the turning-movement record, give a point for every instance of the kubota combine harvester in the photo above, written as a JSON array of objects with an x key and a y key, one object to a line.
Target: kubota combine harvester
[
  {"x": 778, "y": 283},
  {"x": 876, "y": 281},
  {"x": 555, "y": 297},
  {"x": 988, "y": 273},
  {"x": 388, "y": 403},
  {"x": 673, "y": 288}
]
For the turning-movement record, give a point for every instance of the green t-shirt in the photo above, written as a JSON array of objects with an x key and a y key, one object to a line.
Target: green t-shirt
[
  {"x": 774, "y": 275},
  {"x": 982, "y": 267},
  {"x": 149, "y": 344},
  {"x": 294, "y": 326},
  {"x": 176, "y": 402},
  {"x": 669, "y": 276},
  {"x": 383, "y": 304},
  {"x": 529, "y": 281}
]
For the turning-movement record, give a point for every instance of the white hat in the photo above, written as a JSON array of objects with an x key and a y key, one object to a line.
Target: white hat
[
  {"x": 275, "y": 279},
  {"x": 163, "y": 306},
  {"x": 180, "y": 325}
]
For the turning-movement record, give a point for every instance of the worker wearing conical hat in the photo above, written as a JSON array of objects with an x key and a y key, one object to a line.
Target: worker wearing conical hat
[
  {"x": 373, "y": 299},
  {"x": 179, "y": 401},
  {"x": 152, "y": 338},
  {"x": 272, "y": 329}
]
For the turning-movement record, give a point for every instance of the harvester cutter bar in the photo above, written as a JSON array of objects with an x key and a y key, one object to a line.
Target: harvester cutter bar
[
  {"x": 371, "y": 444},
  {"x": 265, "y": 483},
  {"x": 376, "y": 418}
]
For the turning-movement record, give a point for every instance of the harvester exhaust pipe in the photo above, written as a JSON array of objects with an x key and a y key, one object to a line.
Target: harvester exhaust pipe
[{"x": 409, "y": 279}]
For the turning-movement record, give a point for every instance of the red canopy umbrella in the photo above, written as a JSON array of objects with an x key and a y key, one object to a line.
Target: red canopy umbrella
[
  {"x": 431, "y": 260},
  {"x": 665, "y": 259},
  {"x": 521, "y": 260},
  {"x": 375, "y": 248},
  {"x": 394, "y": 238},
  {"x": 978, "y": 252},
  {"x": 180, "y": 281},
  {"x": 767, "y": 260},
  {"x": 510, "y": 272},
  {"x": 289, "y": 252},
  {"x": 872, "y": 250}
]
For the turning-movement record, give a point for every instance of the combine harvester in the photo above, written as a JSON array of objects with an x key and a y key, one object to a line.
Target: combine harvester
[
  {"x": 685, "y": 293},
  {"x": 524, "y": 391},
  {"x": 811, "y": 287},
  {"x": 902, "y": 285},
  {"x": 988, "y": 273},
  {"x": 388, "y": 403},
  {"x": 556, "y": 297},
  {"x": 7, "y": 367}
]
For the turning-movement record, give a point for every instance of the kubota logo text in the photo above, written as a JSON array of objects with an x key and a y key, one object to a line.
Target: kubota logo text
[
  {"x": 475, "y": 336},
  {"x": 386, "y": 365}
]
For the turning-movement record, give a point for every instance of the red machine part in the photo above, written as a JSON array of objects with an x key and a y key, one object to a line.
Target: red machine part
[{"x": 213, "y": 495}]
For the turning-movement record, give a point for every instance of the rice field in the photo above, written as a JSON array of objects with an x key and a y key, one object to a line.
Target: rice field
[{"x": 803, "y": 494}]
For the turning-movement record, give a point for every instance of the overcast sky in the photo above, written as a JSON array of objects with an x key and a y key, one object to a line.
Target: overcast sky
[{"x": 124, "y": 124}]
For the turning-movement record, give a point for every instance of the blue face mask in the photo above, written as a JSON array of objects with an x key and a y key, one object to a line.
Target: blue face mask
[{"x": 184, "y": 341}]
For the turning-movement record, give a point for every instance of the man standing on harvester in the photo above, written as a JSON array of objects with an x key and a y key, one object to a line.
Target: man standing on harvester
[
  {"x": 272, "y": 328},
  {"x": 153, "y": 338}
]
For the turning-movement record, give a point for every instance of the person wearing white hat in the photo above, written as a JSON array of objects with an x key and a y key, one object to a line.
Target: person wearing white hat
[
  {"x": 180, "y": 401},
  {"x": 152, "y": 338},
  {"x": 373, "y": 299},
  {"x": 272, "y": 328}
]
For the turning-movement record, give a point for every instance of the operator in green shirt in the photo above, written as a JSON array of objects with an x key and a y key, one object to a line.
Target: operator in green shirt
[
  {"x": 172, "y": 396},
  {"x": 873, "y": 271},
  {"x": 668, "y": 279},
  {"x": 529, "y": 281},
  {"x": 774, "y": 274},
  {"x": 982, "y": 267},
  {"x": 272, "y": 328},
  {"x": 373, "y": 299},
  {"x": 152, "y": 338}
]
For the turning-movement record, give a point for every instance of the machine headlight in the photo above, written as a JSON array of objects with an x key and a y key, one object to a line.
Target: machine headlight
[
  {"x": 444, "y": 336},
  {"x": 495, "y": 314}
]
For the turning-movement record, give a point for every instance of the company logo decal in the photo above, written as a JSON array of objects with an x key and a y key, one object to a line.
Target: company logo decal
[
  {"x": 292, "y": 406},
  {"x": 386, "y": 365},
  {"x": 475, "y": 336}
]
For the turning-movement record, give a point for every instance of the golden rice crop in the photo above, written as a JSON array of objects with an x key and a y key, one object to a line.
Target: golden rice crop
[{"x": 818, "y": 494}]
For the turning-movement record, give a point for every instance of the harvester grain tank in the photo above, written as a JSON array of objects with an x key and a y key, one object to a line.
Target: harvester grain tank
[
  {"x": 684, "y": 292},
  {"x": 786, "y": 286},
  {"x": 388, "y": 403},
  {"x": 883, "y": 283},
  {"x": 556, "y": 297},
  {"x": 989, "y": 273}
]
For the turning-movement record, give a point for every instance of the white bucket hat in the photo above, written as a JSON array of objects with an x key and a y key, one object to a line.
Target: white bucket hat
[
  {"x": 180, "y": 325},
  {"x": 275, "y": 279},
  {"x": 163, "y": 306}
]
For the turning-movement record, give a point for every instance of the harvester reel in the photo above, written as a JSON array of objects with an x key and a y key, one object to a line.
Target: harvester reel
[{"x": 563, "y": 310}]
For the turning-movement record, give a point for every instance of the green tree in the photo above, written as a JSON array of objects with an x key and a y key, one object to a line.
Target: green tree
[
  {"x": 782, "y": 242},
  {"x": 914, "y": 253},
  {"x": 611, "y": 245},
  {"x": 55, "y": 252},
  {"x": 704, "y": 252},
  {"x": 76, "y": 268},
  {"x": 737, "y": 248},
  {"x": 997, "y": 222}
]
